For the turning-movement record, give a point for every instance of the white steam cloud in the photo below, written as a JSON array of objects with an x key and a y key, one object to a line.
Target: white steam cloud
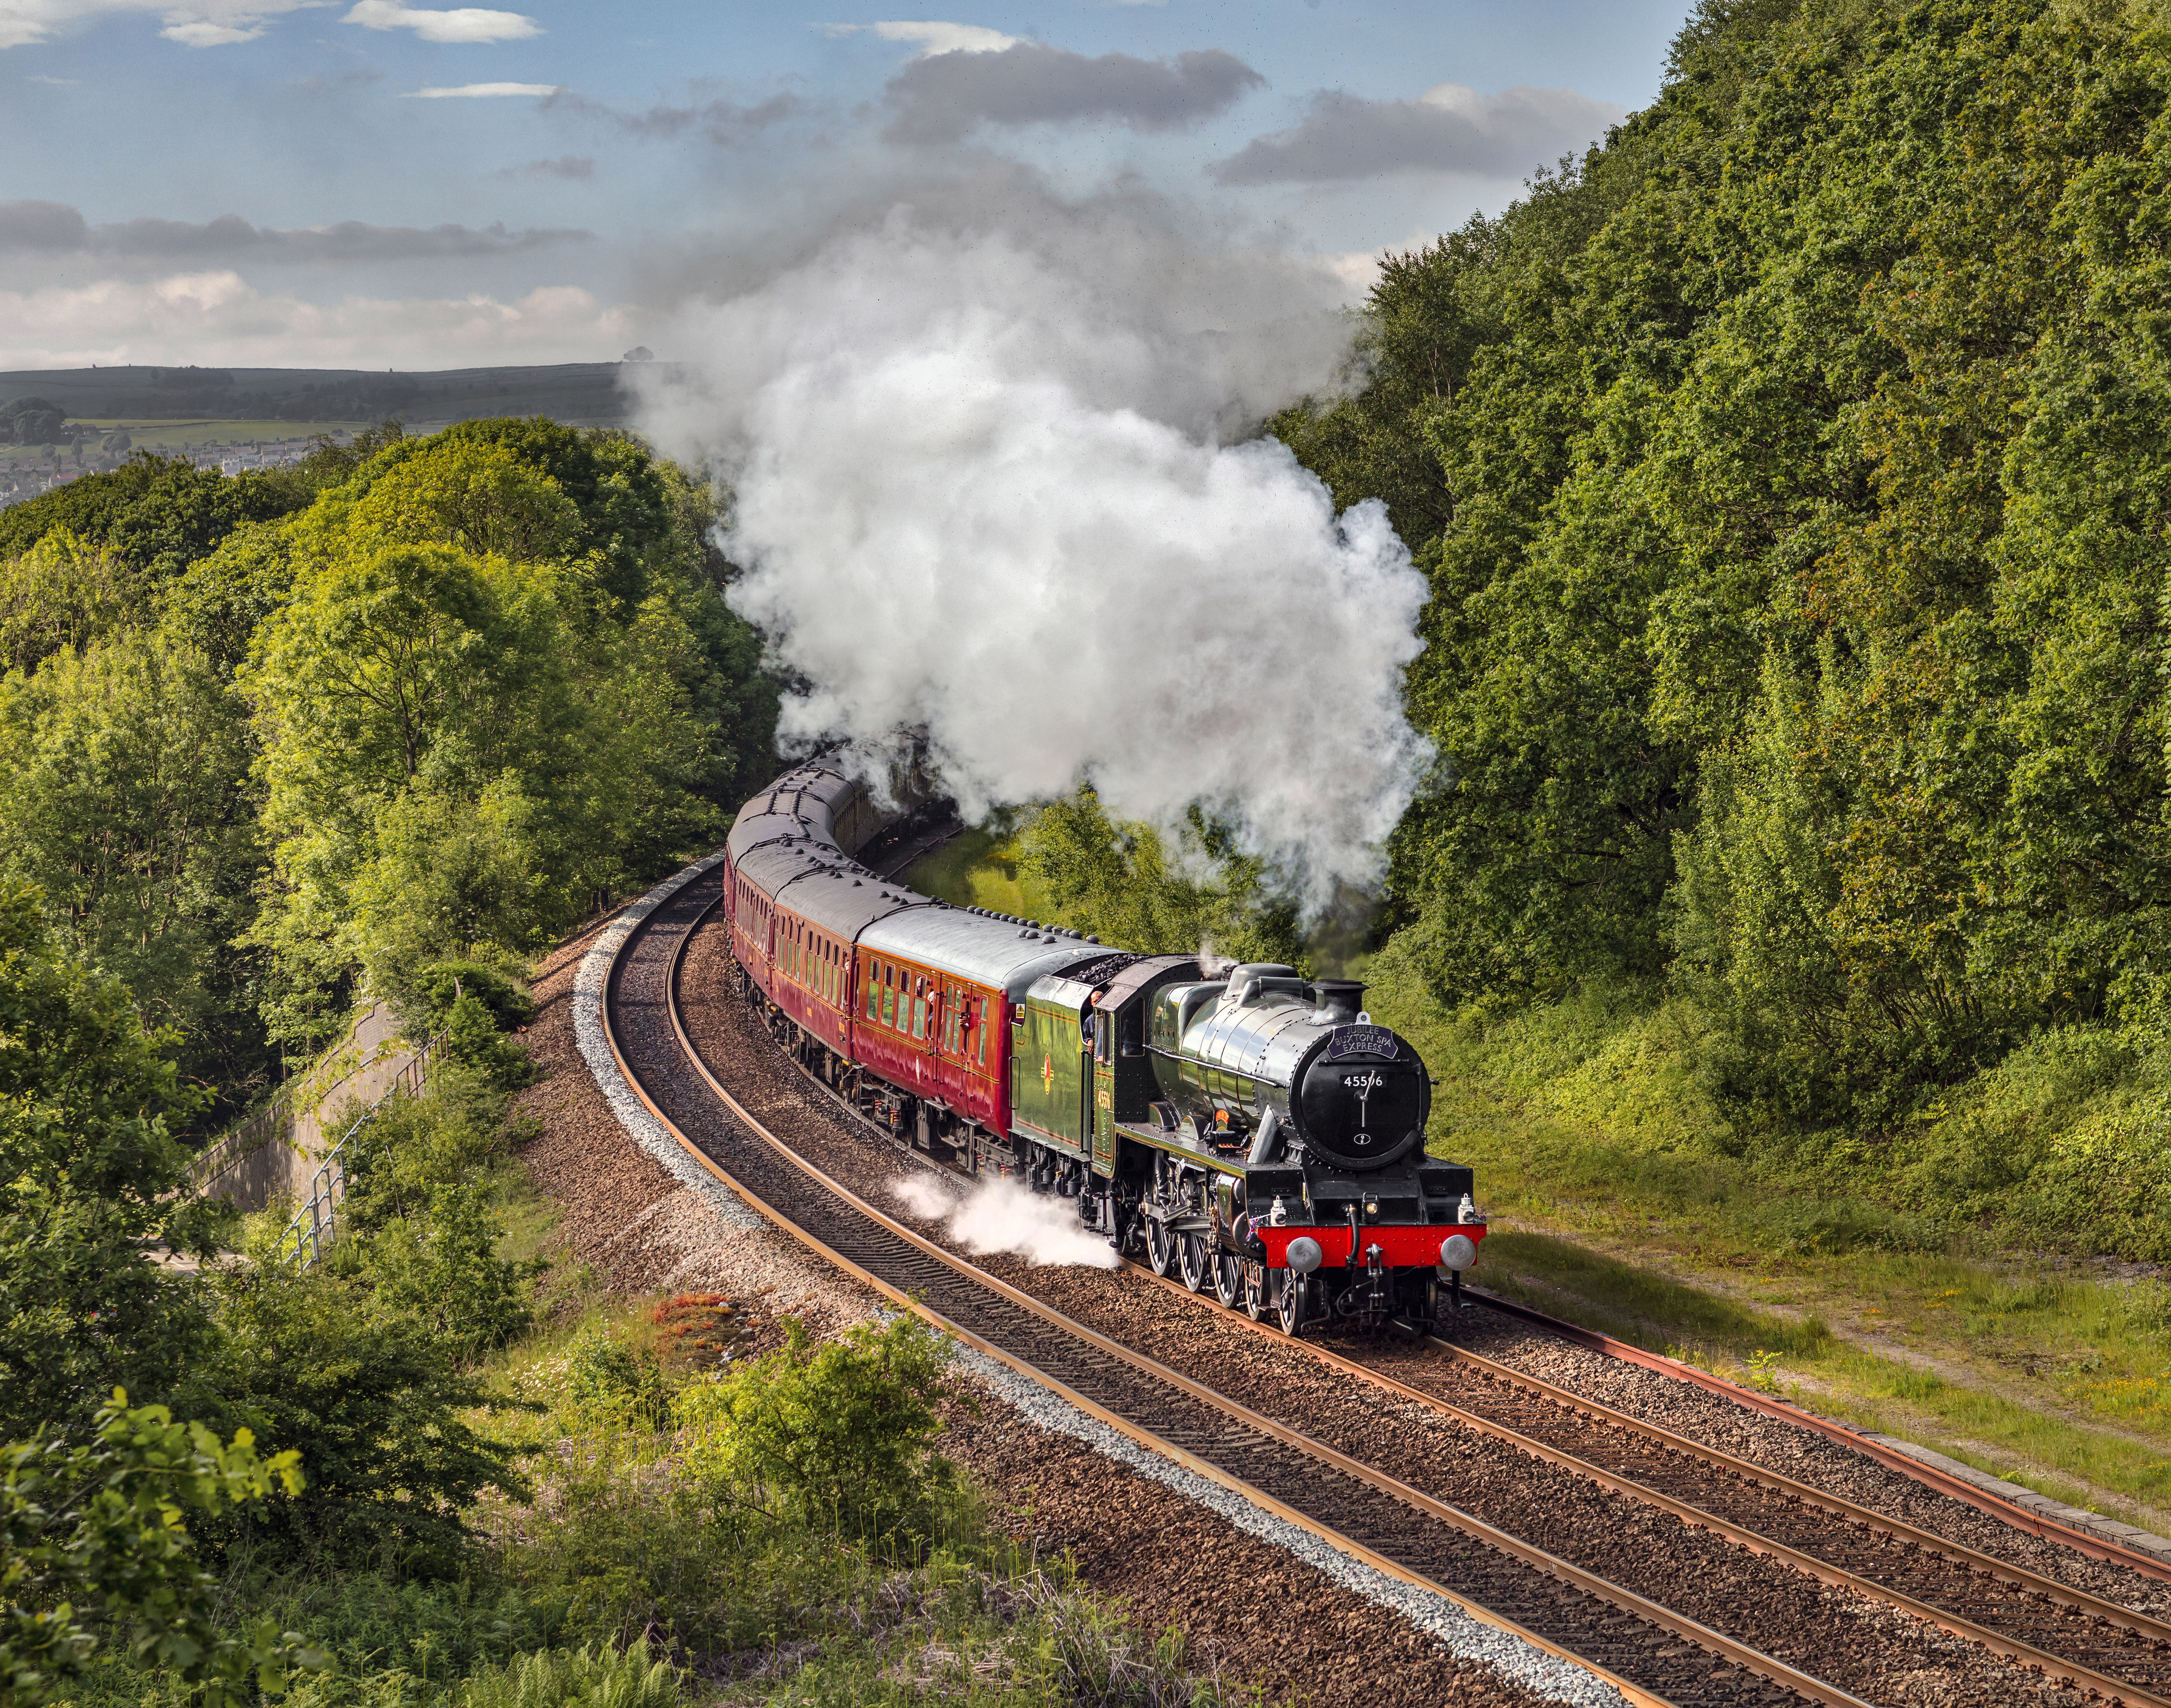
[
  {"x": 1001, "y": 1215},
  {"x": 985, "y": 483}
]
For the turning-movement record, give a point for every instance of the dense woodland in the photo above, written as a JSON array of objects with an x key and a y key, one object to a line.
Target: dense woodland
[
  {"x": 279, "y": 737},
  {"x": 380, "y": 726},
  {"x": 1791, "y": 475}
]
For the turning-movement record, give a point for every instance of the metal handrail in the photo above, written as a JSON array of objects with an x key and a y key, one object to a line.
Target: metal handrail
[{"x": 316, "y": 1224}]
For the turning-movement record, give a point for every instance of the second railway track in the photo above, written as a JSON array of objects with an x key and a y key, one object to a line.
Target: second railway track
[{"x": 2102, "y": 1652}]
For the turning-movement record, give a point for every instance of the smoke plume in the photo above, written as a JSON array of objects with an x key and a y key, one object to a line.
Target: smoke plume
[
  {"x": 992, "y": 478},
  {"x": 1001, "y": 1215}
]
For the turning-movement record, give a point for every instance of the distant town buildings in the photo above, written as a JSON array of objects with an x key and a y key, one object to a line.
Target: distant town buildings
[{"x": 26, "y": 477}]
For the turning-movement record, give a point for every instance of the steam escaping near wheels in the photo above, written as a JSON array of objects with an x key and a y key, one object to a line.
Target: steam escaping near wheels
[
  {"x": 1000, "y": 1215},
  {"x": 984, "y": 483}
]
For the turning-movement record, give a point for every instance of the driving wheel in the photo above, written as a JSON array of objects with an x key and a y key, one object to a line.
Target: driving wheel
[
  {"x": 1294, "y": 1305},
  {"x": 1228, "y": 1280},
  {"x": 1259, "y": 1291},
  {"x": 1196, "y": 1270},
  {"x": 1160, "y": 1246}
]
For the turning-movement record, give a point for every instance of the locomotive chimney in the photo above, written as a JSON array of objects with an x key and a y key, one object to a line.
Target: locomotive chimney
[{"x": 1338, "y": 1000}]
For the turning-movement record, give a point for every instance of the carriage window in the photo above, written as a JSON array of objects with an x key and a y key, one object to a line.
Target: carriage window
[
  {"x": 874, "y": 993},
  {"x": 981, "y": 1057}
]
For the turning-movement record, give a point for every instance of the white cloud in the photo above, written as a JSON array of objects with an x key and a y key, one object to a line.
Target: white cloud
[
  {"x": 206, "y": 32},
  {"x": 205, "y": 23},
  {"x": 933, "y": 35},
  {"x": 480, "y": 92},
  {"x": 468, "y": 23},
  {"x": 56, "y": 83},
  {"x": 217, "y": 319}
]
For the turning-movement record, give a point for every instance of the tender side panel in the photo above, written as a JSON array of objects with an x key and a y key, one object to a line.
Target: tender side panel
[{"x": 1050, "y": 1068}]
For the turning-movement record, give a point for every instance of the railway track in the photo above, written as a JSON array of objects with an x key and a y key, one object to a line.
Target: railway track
[
  {"x": 1656, "y": 1657},
  {"x": 2109, "y": 1652}
]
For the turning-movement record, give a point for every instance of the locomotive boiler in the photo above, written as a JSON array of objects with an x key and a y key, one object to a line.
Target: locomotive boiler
[{"x": 1248, "y": 1130}]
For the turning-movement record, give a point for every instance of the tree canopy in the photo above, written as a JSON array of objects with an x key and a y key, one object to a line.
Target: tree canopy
[{"x": 1790, "y": 474}]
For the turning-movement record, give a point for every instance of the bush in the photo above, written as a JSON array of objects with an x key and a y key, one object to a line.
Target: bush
[
  {"x": 421, "y": 1224},
  {"x": 843, "y": 1434},
  {"x": 443, "y": 983},
  {"x": 377, "y": 1406},
  {"x": 607, "y": 1379},
  {"x": 471, "y": 1038}
]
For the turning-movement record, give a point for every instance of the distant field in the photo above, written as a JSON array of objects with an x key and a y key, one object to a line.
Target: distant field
[
  {"x": 277, "y": 401},
  {"x": 174, "y": 436}
]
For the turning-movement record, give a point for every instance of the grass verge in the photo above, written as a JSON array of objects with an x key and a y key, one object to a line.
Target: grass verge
[{"x": 978, "y": 868}]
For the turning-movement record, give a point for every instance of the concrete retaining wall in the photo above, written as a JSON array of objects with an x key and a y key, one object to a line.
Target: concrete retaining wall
[{"x": 273, "y": 1153}]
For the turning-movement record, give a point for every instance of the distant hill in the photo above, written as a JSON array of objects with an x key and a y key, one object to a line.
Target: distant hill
[{"x": 584, "y": 394}]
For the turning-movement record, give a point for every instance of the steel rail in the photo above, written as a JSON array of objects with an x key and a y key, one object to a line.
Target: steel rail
[
  {"x": 1997, "y": 1506},
  {"x": 1715, "y": 1646},
  {"x": 2113, "y": 1689}
]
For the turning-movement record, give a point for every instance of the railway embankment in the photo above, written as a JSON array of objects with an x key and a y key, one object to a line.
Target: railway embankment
[{"x": 1153, "y": 1551}]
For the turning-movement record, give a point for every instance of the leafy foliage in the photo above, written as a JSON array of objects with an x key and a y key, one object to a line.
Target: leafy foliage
[
  {"x": 89, "y": 1174},
  {"x": 1122, "y": 884},
  {"x": 94, "y": 1536},
  {"x": 372, "y": 1399},
  {"x": 421, "y": 1226},
  {"x": 592, "y": 1676},
  {"x": 127, "y": 802},
  {"x": 158, "y": 514},
  {"x": 842, "y": 1433},
  {"x": 62, "y": 594},
  {"x": 1786, "y": 473}
]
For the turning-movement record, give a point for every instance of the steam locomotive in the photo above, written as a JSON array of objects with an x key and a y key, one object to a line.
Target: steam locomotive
[{"x": 1251, "y": 1131}]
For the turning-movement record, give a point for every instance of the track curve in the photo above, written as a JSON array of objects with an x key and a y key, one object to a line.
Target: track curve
[{"x": 1654, "y": 1655}]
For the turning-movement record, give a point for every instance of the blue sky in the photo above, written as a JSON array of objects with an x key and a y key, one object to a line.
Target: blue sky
[{"x": 267, "y": 181}]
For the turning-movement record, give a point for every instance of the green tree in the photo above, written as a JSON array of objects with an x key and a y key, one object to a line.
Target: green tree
[
  {"x": 128, "y": 804},
  {"x": 159, "y": 514},
  {"x": 373, "y": 1401},
  {"x": 1118, "y": 881},
  {"x": 62, "y": 594},
  {"x": 90, "y": 1173}
]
